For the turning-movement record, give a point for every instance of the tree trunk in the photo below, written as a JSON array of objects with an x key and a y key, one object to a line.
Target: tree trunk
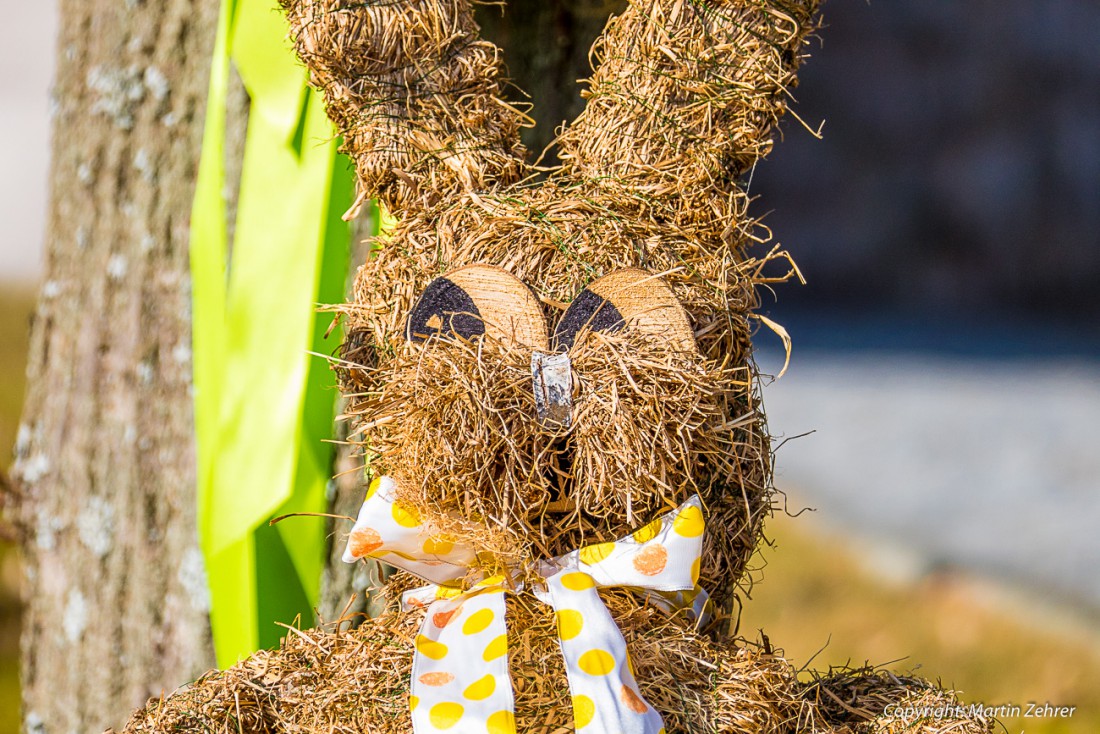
[{"x": 117, "y": 606}]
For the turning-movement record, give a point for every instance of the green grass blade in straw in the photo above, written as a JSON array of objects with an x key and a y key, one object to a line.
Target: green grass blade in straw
[{"x": 263, "y": 454}]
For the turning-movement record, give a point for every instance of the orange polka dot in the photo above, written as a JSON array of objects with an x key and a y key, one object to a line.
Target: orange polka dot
[
  {"x": 632, "y": 700},
  {"x": 363, "y": 541},
  {"x": 442, "y": 619},
  {"x": 651, "y": 560},
  {"x": 436, "y": 679}
]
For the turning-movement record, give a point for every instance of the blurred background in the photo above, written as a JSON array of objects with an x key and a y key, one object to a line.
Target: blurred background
[{"x": 940, "y": 412}]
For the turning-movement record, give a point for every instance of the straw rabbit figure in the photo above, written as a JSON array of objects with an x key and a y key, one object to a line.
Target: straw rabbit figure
[{"x": 551, "y": 374}]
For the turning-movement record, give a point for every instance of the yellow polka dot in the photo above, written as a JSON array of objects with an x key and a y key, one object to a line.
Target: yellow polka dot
[
  {"x": 492, "y": 581},
  {"x": 502, "y": 722},
  {"x": 496, "y": 648},
  {"x": 648, "y": 533},
  {"x": 630, "y": 665},
  {"x": 597, "y": 662},
  {"x": 405, "y": 515},
  {"x": 445, "y": 715},
  {"x": 478, "y": 621},
  {"x": 438, "y": 546},
  {"x": 577, "y": 581},
  {"x": 689, "y": 523},
  {"x": 570, "y": 622},
  {"x": 584, "y": 710},
  {"x": 447, "y": 592},
  {"x": 373, "y": 488},
  {"x": 481, "y": 688},
  {"x": 431, "y": 648},
  {"x": 414, "y": 701},
  {"x": 695, "y": 571},
  {"x": 593, "y": 554},
  {"x": 402, "y": 555}
]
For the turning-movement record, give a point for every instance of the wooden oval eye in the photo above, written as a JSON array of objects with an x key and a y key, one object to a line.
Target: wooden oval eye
[
  {"x": 475, "y": 300},
  {"x": 630, "y": 297}
]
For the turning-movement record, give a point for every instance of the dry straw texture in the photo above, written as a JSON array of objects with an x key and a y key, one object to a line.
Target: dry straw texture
[
  {"x": 681, "y": 105},
  {"x": 414, "y": 91},
  {"x": 358, "y": 681},
  {"x": 701, "y": 86},
  {"x": 452, "y": 423}
]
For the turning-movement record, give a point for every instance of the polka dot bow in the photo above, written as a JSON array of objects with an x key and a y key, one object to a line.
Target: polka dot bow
[{"x": 460, "y": 667}]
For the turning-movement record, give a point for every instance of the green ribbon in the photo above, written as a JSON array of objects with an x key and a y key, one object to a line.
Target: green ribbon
[{"x": 263, "y": 405}]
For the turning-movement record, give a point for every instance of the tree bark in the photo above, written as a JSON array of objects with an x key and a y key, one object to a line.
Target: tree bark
[{"x": 117, "y": 605}]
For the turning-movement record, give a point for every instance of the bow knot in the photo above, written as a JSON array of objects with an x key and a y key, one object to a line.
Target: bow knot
[{"x": 460, "y": 666}]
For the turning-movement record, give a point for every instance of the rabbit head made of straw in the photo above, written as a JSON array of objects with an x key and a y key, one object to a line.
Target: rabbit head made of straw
[{"x": 681, "y": 104}]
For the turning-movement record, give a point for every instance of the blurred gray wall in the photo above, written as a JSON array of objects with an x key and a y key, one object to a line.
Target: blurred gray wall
[{"x": 960, "y": 166}]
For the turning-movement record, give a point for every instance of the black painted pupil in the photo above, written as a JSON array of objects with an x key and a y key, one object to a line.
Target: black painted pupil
[
  {"x": 444, "y": 309},
  {"x": 587, "y": 310}
]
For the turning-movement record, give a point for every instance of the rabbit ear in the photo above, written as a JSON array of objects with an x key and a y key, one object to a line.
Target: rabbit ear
[
  {"x": 416, "y": 94},
  {"x": 685, "y": 93}
]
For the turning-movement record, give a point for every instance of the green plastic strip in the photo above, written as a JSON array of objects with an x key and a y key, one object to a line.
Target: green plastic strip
[{"x": 263, "y": 405}]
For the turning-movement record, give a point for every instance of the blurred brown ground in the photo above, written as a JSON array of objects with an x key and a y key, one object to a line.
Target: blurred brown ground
[{"x": 16, "y": 303}]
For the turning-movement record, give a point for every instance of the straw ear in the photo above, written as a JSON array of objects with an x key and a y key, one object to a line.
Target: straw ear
[
  {"x": 685, "y": 93},
  {"x": 416, "y": 94}
]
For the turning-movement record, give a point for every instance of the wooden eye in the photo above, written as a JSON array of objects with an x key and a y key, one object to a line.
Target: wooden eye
[
  {"x": 627, "y": 298},
  {"x": 477, "y": 300}
]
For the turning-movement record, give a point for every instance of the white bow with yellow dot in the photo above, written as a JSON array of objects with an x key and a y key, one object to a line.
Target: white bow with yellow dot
[{"x": 460, "y": 667}]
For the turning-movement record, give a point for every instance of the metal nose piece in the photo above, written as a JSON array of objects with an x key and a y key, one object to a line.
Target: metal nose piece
[{"x": 552, "y": 381}]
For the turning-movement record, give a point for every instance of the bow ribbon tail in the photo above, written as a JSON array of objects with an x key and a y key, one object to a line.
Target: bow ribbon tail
[
  {"x": 604, "y": 692},
  {"x": 460, "y": 679}
]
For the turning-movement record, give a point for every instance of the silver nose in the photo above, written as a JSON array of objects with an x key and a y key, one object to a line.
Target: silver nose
[{"x": 552, "y": 381}]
